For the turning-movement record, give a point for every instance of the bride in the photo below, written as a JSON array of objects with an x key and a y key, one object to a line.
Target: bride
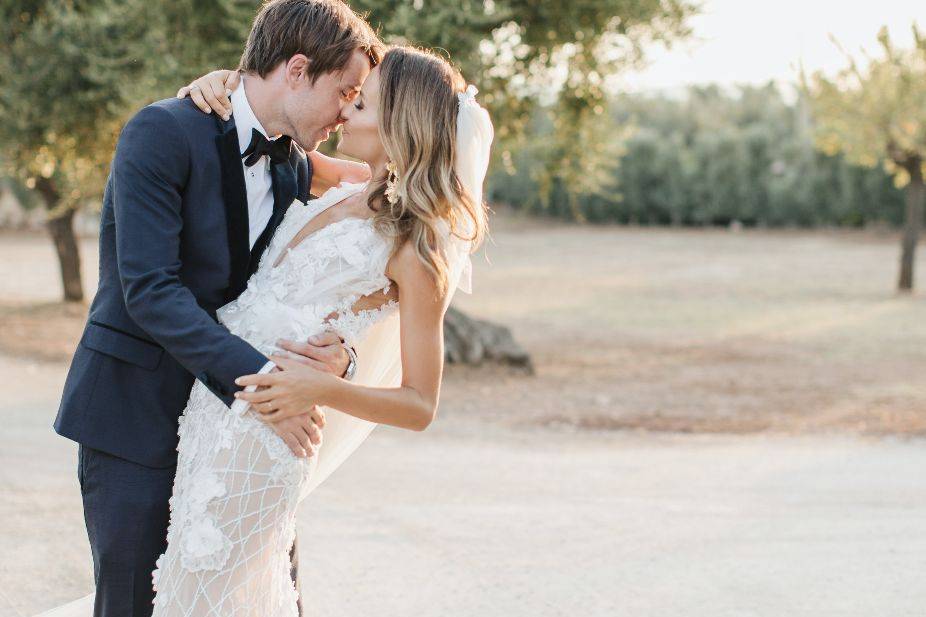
[{"x": 405, "y": 234}]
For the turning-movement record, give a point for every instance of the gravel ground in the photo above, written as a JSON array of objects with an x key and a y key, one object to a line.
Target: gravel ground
[{"x": 470, "y": 518}]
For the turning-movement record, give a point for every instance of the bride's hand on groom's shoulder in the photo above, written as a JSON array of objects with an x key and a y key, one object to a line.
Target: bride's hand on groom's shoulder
[{"x": 211, "y": 92}]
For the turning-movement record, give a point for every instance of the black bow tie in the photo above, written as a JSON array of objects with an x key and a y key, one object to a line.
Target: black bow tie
[{"x": 277, "y": 150}]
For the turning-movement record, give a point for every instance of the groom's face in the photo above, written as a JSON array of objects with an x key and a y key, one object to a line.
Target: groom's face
[{"x": 315, "y": 110}]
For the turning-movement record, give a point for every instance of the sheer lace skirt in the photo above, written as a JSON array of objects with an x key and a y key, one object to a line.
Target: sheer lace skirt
[
  {"x": 232, "y": 517},
  {"x": 238, "y": 485}
]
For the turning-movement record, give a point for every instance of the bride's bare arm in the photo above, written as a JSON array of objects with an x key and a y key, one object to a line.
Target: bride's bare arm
[
  {"x": 412, "y": 405},
  {"x": 328, "y": 171}
]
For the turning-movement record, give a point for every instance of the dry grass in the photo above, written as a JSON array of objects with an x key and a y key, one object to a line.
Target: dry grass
[
  {"x": 677, "y": 330},
  {"x": 44, "y": 331},
  {"x": 694, "y": 330}
]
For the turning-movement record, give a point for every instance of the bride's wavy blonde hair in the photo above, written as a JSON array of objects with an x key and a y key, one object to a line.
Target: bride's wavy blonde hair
[{"x": 418, "y": 126}]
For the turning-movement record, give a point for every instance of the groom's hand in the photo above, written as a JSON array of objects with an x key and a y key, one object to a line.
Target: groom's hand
[
  {"x": 323, "y": 352},
  {"x": 300, "y": 433}
]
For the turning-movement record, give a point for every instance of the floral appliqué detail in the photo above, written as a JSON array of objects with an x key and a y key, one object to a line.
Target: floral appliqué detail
[{"x": 237, "y": 482}]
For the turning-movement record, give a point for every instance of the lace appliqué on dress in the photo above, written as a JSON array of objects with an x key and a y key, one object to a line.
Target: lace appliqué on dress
[{"x": 237, "y": 484}]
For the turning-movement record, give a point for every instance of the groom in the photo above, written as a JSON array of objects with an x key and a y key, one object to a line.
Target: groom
[{"x": 191, "y": 202}]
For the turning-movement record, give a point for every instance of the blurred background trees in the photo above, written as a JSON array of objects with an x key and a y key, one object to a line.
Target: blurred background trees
[
  {"x": 60, "y": 73},
  {"x": 711, "y": 157},
  {"x": 71, "y": 74},
  {"x": 568, "y": 145},
  {"x": 548, "y": 59},
  {"x": 875, "y": 115}
]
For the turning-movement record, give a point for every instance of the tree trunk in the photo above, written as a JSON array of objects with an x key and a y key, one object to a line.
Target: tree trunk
[
  {"x": 913, "y": 220},
  {"x": 474, "y": 341},
  {"x": 61, "y": 229}
]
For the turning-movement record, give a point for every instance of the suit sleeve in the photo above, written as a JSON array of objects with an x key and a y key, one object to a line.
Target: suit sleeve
[{"x": 150, "y": 171}]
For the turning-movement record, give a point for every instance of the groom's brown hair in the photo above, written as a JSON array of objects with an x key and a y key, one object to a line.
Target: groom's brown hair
[{"x": 327, "y": 32}]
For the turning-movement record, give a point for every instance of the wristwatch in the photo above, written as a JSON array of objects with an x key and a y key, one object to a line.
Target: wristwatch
[{"x": 351, "y": 363}]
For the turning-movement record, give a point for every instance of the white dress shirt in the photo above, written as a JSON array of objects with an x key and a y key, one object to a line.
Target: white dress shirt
[
  {"x": 259, "y": 186},
  {"x": 257, "y": 178}
]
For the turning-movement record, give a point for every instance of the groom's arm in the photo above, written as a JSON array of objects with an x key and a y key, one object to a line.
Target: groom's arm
[{"x": 150, "y": 170}]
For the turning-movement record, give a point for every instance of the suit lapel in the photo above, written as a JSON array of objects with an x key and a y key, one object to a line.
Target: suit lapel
[
  {"x": 284, "y": 187},
  {"x": 284, "y": 190},
  {"x": 290, "y": 181},
  {"x": 303, "y": 166},
  {"x": 234, "y": 193}
]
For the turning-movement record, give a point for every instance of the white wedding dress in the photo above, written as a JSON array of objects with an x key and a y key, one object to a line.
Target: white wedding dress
[{"x": 238, "y": 485}]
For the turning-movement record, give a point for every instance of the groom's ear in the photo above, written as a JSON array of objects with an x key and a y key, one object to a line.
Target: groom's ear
[{"x": 296, "y": 69}]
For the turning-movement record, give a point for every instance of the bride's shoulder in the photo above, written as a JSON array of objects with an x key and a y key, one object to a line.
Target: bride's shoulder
[{"x": 409, "y": 271}]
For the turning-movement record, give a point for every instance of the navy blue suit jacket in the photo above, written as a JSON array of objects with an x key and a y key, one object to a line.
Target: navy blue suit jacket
[{"x": 173, "y": 249}]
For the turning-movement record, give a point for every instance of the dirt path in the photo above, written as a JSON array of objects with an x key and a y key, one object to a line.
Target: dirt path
[{"x": 471, "y": 518}]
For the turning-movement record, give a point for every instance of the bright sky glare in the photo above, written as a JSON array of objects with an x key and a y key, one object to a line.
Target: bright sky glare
[{"x": 754, "y": 41}]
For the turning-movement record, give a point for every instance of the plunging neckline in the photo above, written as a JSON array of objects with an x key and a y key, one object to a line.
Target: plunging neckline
[{"x": 284, "y": 253}]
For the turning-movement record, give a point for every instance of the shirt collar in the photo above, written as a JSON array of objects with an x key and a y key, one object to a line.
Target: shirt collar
[{"x": 245, "y": 120}]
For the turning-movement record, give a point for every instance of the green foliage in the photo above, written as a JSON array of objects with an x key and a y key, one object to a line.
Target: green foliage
[
  {"x": 61, "y": 66},
  {"x": 521, "y": 53},
  {"x": 711, "y": 158},
  {"x": 875, "y": 112},
  {"x": 71, "y": 72}
]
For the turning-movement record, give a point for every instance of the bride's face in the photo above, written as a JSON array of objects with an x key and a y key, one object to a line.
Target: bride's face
[{"x": 360, "y": 130}]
